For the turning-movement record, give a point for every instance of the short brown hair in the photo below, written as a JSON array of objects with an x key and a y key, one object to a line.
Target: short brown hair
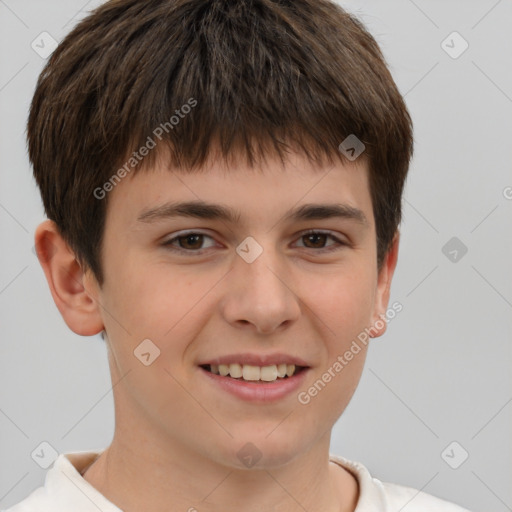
[{"x": 266, "y": 76}]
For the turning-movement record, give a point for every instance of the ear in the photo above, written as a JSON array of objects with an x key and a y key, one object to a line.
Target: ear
[
  {"x": 78, "y": 306},
  {"x": 385, "y": 276}
]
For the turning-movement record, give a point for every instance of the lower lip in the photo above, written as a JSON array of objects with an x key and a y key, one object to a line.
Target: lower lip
[{"x": 261, "y": 392}]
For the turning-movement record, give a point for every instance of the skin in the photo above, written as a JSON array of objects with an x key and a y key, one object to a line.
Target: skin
[{"x": 177, "y": 436}]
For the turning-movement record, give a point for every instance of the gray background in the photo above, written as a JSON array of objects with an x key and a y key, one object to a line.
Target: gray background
[{"x": 442, "y": 371}]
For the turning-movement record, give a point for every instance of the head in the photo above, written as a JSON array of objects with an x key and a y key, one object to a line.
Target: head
[{"x": 242, "y": 104}]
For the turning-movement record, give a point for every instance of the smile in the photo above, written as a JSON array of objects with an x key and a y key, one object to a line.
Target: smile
[
  {"x": 252, "y": 373},
  {"x": 251, "y": 385}
]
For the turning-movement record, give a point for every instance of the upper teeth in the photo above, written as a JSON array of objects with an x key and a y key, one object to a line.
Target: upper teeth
[{"x": 249, "y": 372}]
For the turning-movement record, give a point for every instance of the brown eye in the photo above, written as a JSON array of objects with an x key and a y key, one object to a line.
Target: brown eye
[
  {"x": 317, "y": 240},
  {"x": 191, "y": 242}
]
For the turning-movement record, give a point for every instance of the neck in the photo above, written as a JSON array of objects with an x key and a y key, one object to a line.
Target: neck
[{"x": 149, "y": 480}]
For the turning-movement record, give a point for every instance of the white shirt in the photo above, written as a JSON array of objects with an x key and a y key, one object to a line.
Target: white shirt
[{"x": 65, "y": 490}]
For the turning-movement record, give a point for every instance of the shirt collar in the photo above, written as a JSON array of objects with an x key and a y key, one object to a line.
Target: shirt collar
[
  {"x": 69, "y": 488},
  {"x": 371, "y": 491}
]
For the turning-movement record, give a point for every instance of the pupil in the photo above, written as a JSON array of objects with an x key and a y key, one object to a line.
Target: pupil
[
  {"x": 315, "y": 236},
  {"x": 191, "y": 237}
]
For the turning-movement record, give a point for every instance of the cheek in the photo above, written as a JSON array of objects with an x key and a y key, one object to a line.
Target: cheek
[
  {"x": 343, "y": 385},
  {"x": 152, "y": 297},
  {"x": 342, "y": 310},
  {"x": 343, "y": 303}
]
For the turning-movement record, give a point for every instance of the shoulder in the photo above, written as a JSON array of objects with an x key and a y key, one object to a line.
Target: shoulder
[
  {"x": 37, "y": 501},
  {"x": 377, "y": 496},
  {"x": 65, "y": 489},
  {"x": 399, "y": 497}
]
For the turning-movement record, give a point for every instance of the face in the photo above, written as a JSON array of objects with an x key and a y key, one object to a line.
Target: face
[{"x": 206, "y": 288}]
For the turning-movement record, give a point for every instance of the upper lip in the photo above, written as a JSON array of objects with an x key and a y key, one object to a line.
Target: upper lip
[{"x": 256, "y": 359}]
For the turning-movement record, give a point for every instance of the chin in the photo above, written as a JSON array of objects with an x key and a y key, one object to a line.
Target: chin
[{"x": 265, "y": 450}]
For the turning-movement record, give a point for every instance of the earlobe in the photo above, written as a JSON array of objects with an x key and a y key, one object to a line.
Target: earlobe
[
  {"x": 379, "y": 321},
  {"x": 78, "y": 306}
]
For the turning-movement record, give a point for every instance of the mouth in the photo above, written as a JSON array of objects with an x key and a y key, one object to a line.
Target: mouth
[
  {"x": 255, "y": 374},
  {"x": 267, "y": 380}
]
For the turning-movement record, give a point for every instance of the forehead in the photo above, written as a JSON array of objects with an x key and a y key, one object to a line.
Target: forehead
[{"x": 236, "y": 192}]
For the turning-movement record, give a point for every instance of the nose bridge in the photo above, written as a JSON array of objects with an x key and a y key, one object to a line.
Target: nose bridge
[
  {"x": 258, "y": 292},
  {"x": 260, "y": 277}
]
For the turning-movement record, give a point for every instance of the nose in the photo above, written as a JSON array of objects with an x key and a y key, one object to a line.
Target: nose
[{"x": 260, "y": 295}]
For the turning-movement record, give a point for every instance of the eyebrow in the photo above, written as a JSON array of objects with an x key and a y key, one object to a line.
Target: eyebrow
[{"x": 210, "y": 211}]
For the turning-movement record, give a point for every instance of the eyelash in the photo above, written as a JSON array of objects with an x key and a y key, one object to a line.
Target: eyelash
[{"x": 339, "y": 244}]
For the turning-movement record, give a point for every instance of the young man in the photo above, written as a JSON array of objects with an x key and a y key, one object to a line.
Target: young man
[{"x": 223, "y": 183}]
